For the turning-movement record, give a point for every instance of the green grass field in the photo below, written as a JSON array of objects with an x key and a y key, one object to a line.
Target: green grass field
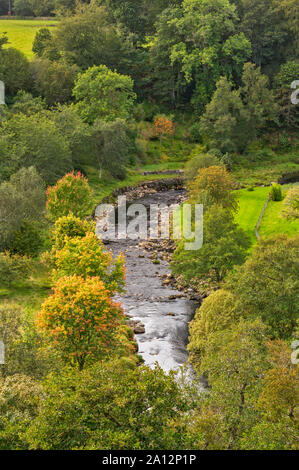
[
  {"x": 21, "y": 33},
  {"x": 251, "y": 204}
]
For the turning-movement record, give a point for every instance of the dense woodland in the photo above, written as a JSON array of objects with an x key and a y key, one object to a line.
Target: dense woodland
[{"x": 116, "y": 86}]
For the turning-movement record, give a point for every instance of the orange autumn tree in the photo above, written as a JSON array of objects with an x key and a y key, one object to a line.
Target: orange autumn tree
[
  {"x": 87, "y": 257},
  {"x": 71, "y": 194},
  {"x": 163, "y": 126},
  {"x": 213, "y": 185},
  {"x": 80, "y": 319}
]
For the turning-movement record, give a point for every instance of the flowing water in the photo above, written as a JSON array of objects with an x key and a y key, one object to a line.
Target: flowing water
[{"x": 163, "y": 310}]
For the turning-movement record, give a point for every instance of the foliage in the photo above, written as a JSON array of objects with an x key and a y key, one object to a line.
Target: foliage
[
  {"x": 14, "y": 70},
  {"x": 103, "y": 94},
  {"x": 276, "y": 192},
  {"x": 163, "y": 126},
  {"x": 110, "y": 405},
  {"x": 80, "y": 319},
  {"x": 27, "y": 104},
  {"x": 19, "y": 399},
  {"x": 22, "y": 200},
  {"x": 111, "y": 145},
  {"x": 213, "y": 185},
  {"x": 86, "y": 257},
  {"x": 35, "y": 141},
  {"x": 42, "y": 39},
  {"x": 27, "y": 240},
  {"x": 54, "y": 81},
  {"x": 291, "y": 204},
  {"x": 13, "y": 268},
  {"x": 203, "y": 160},
  {"x": 217, "y": 312},
  {"x": 267, "y": 284},
  {"x": 70, "y": 226},
  {"x": 224, "y": 246},
  {"x": 71, "y": 194}
]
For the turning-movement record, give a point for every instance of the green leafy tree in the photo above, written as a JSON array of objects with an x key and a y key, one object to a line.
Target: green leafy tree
[
  {"x": 217, "y": 312},
  {"x": 25, "y": 103},
  {"x": 21, "y": 199},
  {"x": 224, "y": 246},
  {"x": 54, "y": 81},
  {"x": 36, "y": 141},
  {"x": 111, "y": 405},
  {"x": 288, "y": 112},
  {"x": 203, "y": 160},
  {"x": 14, "y": 70},
  {"x": 103, "y": 94},
  {"x": 225, "y": 118},
  {"x": 267, "y": 284},
  {"x": 110, "y": 146},
  {"x": 70, "y": 226},
  {"x": 42, "y": 39}
]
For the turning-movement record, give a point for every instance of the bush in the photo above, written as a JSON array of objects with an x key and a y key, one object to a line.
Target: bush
[
  {"x": 71, "y": 194},
  {"x": 70, "y": 226},
  {"x": 27, "y": 240},
  {"x": 195, "y": 132},
  {"x": 203, "y": 160},
  {"x": 276, "y": 192},
  {"x": 291, "y": 204},
  {"x": 13, "y": 268}
]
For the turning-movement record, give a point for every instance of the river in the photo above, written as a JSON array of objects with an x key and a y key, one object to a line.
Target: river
[{"x": 163, "y": 311}]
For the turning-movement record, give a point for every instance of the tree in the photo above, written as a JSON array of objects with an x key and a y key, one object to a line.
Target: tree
[
  {"x": 205, "y": 44},
  {"x": 217, "y": 312},
  {"x": 14, "y": 70},
  {"x": 225, "y": 119},
  {"x": 26, "y": 104},
  {"x": 20, "y": 396},
  {"x": 258, "y": 100},
  {"x": 110, "y": 146},
  {"x": 53, "y": 80},
  {"x": 213, "y": 185},
  {"x": 21, "y": 199},
  {"x": 224, "y": 246},
  {"x": 87, "y": 38},
  {"x": 163, "y": 126},
  {"x": 234, "y": 361},
  {"x": 23, "y": 7},
  {"x": 267, "y": 284},
  {"x": 203, "y": 160},
  {"x": 79, "y": 319},
  {"x": 70, "y": 226},
  {"x": 71, "y": 194},
  {"x": 42, "y": 40},
  {"x": 288, "y": 112},
  {"x": 36, "y": 141},
  {"x": 103, "y": 94},
  {"x": 110, "y": 405},
  {"x": 86, "y": 257}
]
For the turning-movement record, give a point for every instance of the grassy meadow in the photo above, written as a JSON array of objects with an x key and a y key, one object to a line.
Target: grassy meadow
[
  {"x": 21, "y": 33},
  {"x": 251, "y": 204}
]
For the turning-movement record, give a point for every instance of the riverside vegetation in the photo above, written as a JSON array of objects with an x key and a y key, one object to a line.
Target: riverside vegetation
[{"x": 116, "y": 89}]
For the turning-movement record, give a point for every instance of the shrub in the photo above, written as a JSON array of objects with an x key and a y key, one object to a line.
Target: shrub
[
  {"x": 70, "y": 226},
  {"x": 291, "y": 204},
  {"x": 27, "y": 240},
  {"x": 13, "y": 268},
  {"x": 276, "y": 192},
  {"x": 80, "y": 319},
  {"x": 71, "y": 194},
  {"x": 204, "y": 160}
]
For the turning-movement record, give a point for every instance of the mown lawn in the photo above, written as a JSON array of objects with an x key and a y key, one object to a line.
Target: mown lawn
[
  {"x": 251, "y": 204},
  {"x": 21, "y": 33}
]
